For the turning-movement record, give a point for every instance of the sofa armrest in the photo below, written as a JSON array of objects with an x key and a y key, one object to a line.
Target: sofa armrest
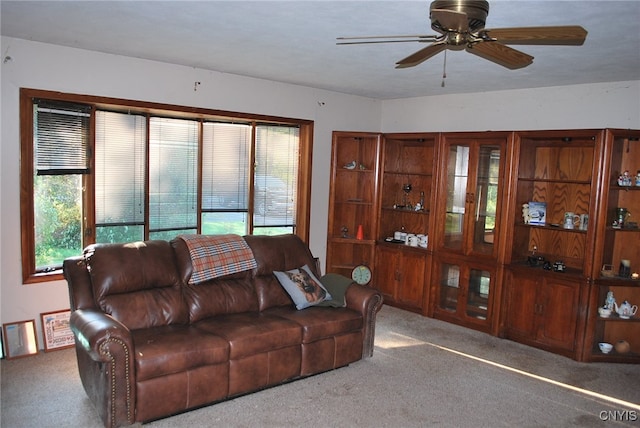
[
  {"x": 367, "y": 301},
  {"x": 106, "y": 365}
]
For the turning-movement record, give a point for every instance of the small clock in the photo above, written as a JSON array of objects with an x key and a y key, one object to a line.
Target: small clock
[{"x": 361, "y": 274}]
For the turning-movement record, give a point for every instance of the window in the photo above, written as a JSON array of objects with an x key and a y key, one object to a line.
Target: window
[
  {"x": 60, "y": 144},
  {"x": 105, "y": 170}
]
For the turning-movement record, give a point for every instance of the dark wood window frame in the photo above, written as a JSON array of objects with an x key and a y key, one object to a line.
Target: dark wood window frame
[{"x": 27, "y": 96}]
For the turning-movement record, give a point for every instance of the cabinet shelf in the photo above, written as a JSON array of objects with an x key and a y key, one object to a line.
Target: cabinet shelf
[
  {"x": 557, "y": 228},
  {"x": 407, "y": 174},
  {"x": 615, "y": 318},
  {"x": 403, "y": 211},
  {"x": 354, "y": 202},
  {"x": 623, "y": 230},
  {"x": 615, "y": 187},
  {"x": 552, "y": 180}
]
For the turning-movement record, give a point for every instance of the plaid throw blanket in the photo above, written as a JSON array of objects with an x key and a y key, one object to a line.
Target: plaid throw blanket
[{"x": 218, "y": 255}]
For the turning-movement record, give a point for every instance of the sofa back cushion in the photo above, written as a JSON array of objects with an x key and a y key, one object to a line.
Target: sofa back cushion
[
  {"x": 277, "y": 253},
  {"x": 137, "y": 283},
  {"x": 227, "y": 294}
]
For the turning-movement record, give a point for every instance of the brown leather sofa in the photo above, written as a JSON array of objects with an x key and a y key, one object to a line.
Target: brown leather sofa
[{"x": 150, "y": 345}]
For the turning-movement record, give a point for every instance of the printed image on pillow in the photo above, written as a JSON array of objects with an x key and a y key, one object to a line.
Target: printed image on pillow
[{"x": 303, "y": 287}]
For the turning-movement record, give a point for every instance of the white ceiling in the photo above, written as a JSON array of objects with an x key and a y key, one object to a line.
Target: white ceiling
[{"x": 294, "y": 41}]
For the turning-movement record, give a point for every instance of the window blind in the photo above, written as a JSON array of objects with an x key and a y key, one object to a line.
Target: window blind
[
  {"x": 120, "y": 160},
  {"x": 276, "y": 184},
  {"x": 173, "y": 168},
  {"x": 225, "y": 166},
  {"x": 61, "y": 138}
]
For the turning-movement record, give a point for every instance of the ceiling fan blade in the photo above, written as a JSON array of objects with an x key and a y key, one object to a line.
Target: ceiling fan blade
[
  {"x": 573, "y": 35},
  {"x": 501, "y": 54},
  {"x": 450, "y": 20},
  {"x": 422, "y": 55},
  {"x": 361, "y": 40}
]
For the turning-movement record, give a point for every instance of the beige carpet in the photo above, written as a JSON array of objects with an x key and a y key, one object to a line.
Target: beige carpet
[{"x": 423, "y": 373}]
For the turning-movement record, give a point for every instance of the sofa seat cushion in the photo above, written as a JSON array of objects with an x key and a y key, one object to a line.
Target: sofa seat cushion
[
  {"x": 253, "y": 333},
  {"x": 172, "y": 349},
  {"x": 319, "y": 323}
]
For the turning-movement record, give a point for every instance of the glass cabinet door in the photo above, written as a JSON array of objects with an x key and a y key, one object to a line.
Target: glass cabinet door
[
  {"x": 473, "y": 195},
  {"x": 464, "y": 292}
]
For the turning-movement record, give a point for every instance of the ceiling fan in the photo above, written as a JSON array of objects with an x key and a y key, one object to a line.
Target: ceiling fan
[{"x": 461, "y": 26}]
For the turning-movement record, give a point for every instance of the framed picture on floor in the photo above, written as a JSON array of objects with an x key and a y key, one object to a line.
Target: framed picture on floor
[
  {"x": 56, "y": 331},
  {"x": 20, "y": 339}
]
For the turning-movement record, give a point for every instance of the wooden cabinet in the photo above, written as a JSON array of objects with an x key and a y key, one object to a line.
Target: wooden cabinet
[
  {"x": 406, "y": 200},
  {"x": 400, "y": 274},
  {"x": 617, "y": 242},
  {"x": 468, "y": 227},
  {"x": 353, "y": 201},
  {"x": 533, "y": 276},
  {"x": 551, "y": 258},
  {"x": 544, "y": 310}
]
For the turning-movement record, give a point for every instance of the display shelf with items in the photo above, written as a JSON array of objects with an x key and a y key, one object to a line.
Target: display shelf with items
[
  {"x": 617, "y": 259},
  {"x": 554, "y": 190},
  {"x": 407, "y": 184},
  {"x": 353, "y": 205}
]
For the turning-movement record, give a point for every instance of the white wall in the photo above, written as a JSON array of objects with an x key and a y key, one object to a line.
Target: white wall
[
  {"x": 49, "y": 67},
  {"x": 600, "y": 105}
]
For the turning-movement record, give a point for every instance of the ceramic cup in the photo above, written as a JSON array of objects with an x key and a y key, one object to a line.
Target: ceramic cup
[
  {"x": 397, "y": 235},
  {"x": 584, "y": 221},
  {"x": 604, "y": 312},
  {"x": 605, "y": 347},
  {"x": 571, "y": 220}
]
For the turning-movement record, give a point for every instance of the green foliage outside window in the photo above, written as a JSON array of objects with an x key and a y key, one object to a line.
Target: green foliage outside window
[{"x": 58, "y": 218}]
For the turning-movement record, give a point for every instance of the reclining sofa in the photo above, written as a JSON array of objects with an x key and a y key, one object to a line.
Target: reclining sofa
[{"x": 152, "y": 342}]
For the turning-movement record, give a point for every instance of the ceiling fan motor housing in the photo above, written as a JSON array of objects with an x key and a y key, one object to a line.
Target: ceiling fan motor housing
[{"x": 476, "y": 10}]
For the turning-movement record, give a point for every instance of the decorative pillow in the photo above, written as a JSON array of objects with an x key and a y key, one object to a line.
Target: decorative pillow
[
  {"x": 337, "y": 285},
  {"x": 303, "y": 287}
]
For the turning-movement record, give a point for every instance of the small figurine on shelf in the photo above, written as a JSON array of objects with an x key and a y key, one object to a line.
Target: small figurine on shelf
[
  {"x": 344, "y": 231},
  {"x": 610, "y": 303},
  {"x": 350, "y": 165},
  {"x": 624, "y": 179},
  {"x": 526, "y": 217},
  {"x": 638, "y": 178}
]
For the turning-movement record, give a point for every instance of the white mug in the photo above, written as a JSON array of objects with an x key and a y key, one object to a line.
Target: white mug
[
  {"x": 397, "y": 235},
  {"x": 571, "y": 220},
  {"x": 584, "y": 221}
]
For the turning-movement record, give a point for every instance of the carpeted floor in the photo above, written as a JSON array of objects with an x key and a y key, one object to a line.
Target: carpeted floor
[{"x": 423, "y": 373}]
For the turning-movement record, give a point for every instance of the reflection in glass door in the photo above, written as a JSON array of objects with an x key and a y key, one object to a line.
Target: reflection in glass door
[
  {"x": 486, "y": 199},
  {"x": 457, "y": 176},
  {"x": 478, "y": 294},
  {"x": 449, "y": 287}
]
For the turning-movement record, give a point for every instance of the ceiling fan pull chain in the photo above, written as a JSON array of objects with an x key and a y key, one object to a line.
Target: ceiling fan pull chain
[{"x": 444, "y": 69}]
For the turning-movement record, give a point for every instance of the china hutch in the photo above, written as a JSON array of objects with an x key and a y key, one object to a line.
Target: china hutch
[{"x": 524, "y": 234}]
